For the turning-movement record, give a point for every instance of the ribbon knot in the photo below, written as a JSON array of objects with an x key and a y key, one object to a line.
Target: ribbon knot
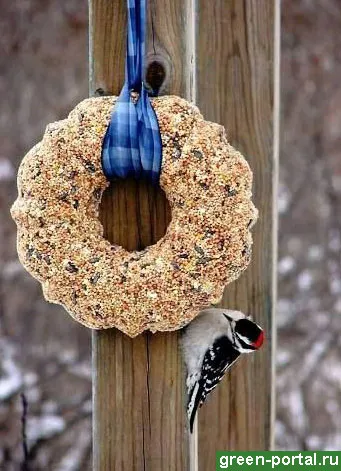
[{"x": 132, "y": 144}]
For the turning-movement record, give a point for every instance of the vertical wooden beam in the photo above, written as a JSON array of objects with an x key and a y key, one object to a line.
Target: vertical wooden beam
[
  {"x": 138, "y": 384},
  {"x": 238, "y": 54}
]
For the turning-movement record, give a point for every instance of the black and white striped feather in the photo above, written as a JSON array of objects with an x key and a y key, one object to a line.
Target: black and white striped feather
[{"x": 217, "y": 360}]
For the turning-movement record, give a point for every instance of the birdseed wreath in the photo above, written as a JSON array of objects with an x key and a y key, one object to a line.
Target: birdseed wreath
[{"x": 207, "y": 244}]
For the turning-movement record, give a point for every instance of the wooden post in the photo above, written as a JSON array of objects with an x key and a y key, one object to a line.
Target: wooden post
[
  {"x": 138, "y": 384},
  {"x": 238, "y": 81}
]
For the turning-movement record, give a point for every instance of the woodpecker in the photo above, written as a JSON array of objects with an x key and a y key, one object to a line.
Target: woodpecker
[{"x": 211, "y": 344}]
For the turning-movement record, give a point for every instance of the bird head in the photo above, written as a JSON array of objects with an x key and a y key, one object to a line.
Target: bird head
[{"x": 247, "y": 336}]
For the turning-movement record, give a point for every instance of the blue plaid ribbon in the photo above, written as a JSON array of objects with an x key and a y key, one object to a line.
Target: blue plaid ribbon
[{"x": 132, "y": 144}]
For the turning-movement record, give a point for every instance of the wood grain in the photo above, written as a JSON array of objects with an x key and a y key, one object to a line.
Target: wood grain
[
  {"x": 138, "y": 384},
  {"x": 139, "y": 420},
  {"x": 238, "y": 44}
]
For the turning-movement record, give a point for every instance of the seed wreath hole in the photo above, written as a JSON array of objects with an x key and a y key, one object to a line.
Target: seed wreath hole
[{"x": 134, "y": 214}]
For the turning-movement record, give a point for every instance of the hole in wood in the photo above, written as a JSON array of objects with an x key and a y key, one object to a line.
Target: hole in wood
[
  {"x": 134, "y": 214},
  {"x": 155, "y": 76}
]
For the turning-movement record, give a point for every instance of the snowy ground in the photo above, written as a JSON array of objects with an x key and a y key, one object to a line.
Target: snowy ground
[{"x": 45, "y": 353}]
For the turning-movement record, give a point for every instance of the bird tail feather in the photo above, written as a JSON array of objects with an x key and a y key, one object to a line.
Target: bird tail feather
[{"x": 193, "y": 404}]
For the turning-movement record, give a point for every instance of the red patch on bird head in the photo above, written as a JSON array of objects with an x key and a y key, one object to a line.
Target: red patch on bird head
[{"x": 259, "y": 342}]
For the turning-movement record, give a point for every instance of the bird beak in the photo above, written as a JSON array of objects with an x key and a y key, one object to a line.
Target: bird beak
[{"x": 227, "y": 317}]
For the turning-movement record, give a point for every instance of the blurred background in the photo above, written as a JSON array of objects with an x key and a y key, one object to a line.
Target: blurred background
[{"x": 43, "y": 65}]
